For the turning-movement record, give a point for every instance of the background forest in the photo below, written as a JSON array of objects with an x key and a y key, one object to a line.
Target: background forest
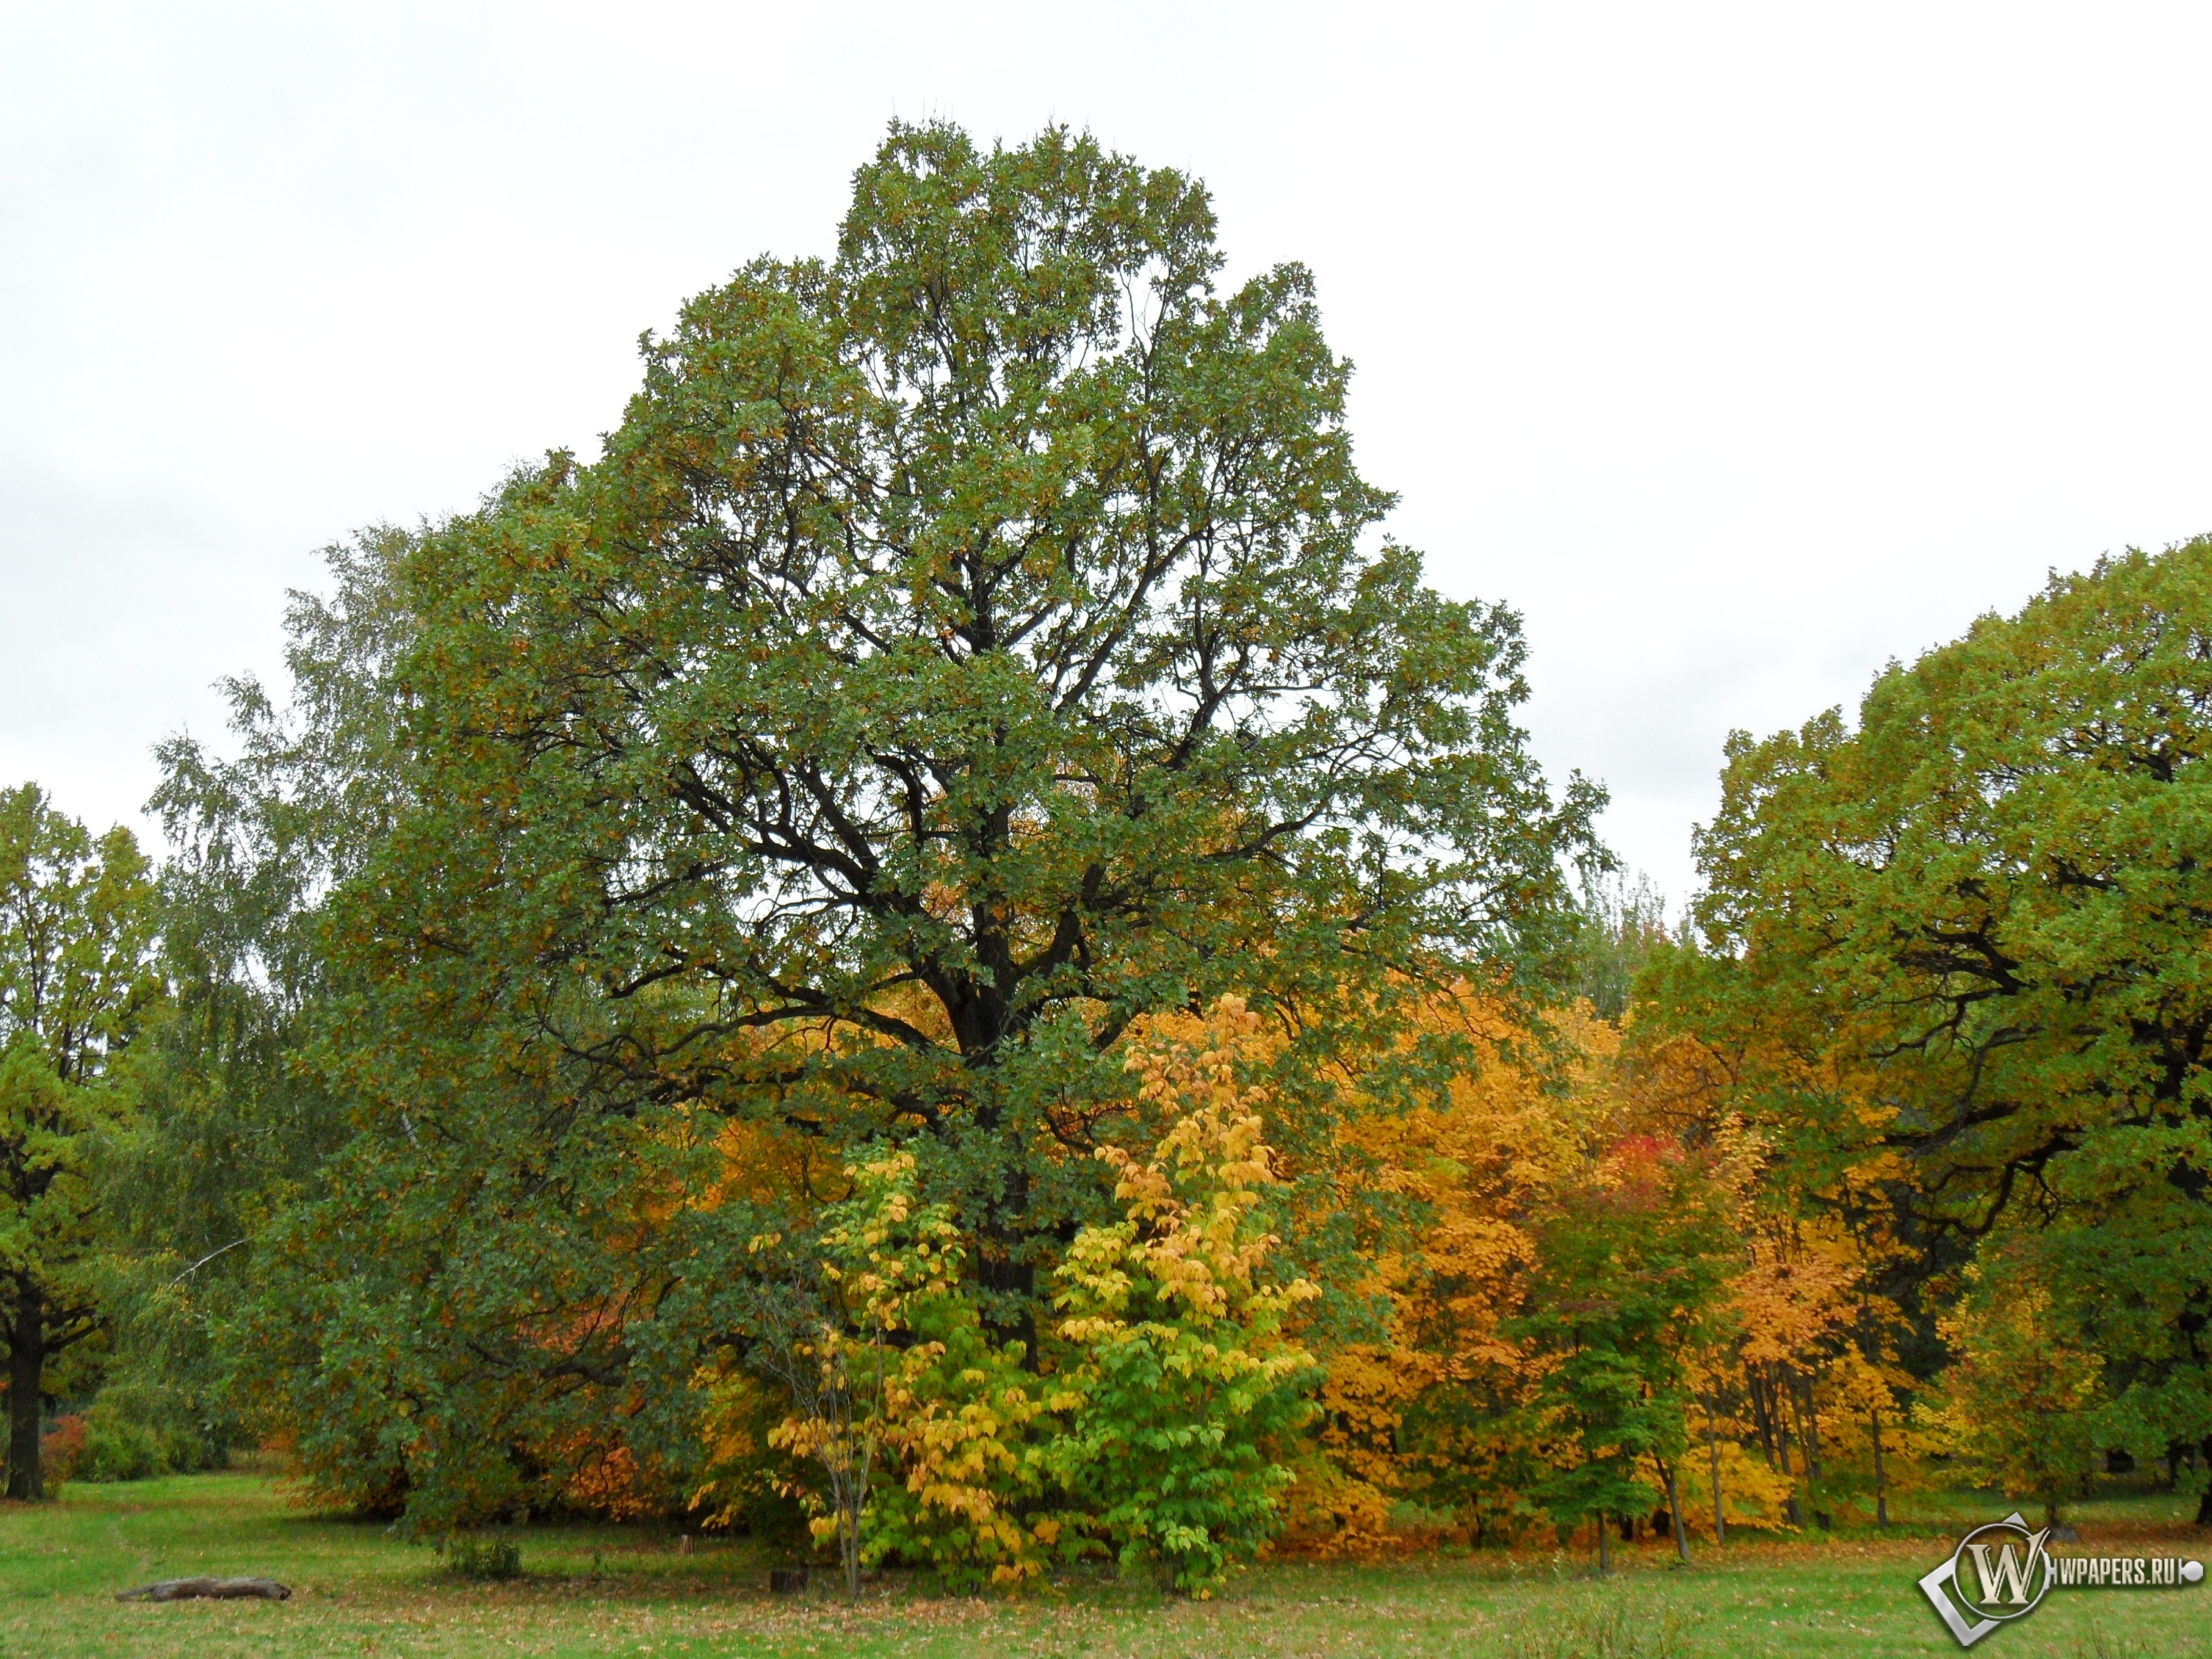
[{"x": 946, "y": 950}]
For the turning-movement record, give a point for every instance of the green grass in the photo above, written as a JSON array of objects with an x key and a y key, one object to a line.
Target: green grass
[{"x": 623, "y": 1590}]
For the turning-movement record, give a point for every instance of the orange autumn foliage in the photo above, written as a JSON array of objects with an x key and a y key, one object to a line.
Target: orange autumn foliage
[
  {"x": 1423, "y": 1414},
  {"x": 1803, "y": 1397},
  {"x": 1426, "y": 1424}
]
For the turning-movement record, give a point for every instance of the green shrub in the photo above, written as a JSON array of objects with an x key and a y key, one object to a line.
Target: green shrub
[
  {"x": 135, "y": 1433},
  {"x": 116, "y": 1448},
  {"x": 470, "y": 1557},
  {"x": 964, "y": 1494}
]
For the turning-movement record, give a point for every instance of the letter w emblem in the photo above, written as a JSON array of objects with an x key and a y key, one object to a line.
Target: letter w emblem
[{"x": 2008, "y": 1579}]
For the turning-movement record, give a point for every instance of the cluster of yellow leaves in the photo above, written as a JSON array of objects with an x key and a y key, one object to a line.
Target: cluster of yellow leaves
[
  {"x": 1191, "y": 1389},
  {"x": 962, "y": 1457},
  {"x": 880, "y": 1263},
  {"x": 1798, "y": 1292},
  {"x": 1752, "y": 1491},
  {"x": 966, "y": 1437},
  {"x": 1797, "y": 1379},
  {"x": 942, "y": 1413},
  {"x": 888, "y": 1271},
  {"x": 1189, "y": 1202},
  {"x": 955, "y": 1441}
]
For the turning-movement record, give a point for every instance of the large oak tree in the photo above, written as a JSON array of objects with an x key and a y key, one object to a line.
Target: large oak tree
[
  {"x": 966, "y": 647},
  {"x": 1961, "y": 965}
]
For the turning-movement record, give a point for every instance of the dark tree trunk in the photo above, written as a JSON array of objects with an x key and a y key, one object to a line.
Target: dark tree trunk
[
  {"x": 1762, "y": 1418},
  {"x": 2204, "y": 1504},
  {"x": 26, "y": 1366},
  {"x": 1778, "y": 1409},
  {"x": 1674, "y": 1515},
  {"x": 1713, "y": 1445},
  {"x": 1809, "y": 1427},
  {"x": 1015, "y": 1282},
  {"x": 1881, "y": 1479},
  {"x": 1809, "y": 1434}
]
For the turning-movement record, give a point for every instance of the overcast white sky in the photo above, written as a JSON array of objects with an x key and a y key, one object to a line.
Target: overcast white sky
[{"x": 1740, "y": 348}]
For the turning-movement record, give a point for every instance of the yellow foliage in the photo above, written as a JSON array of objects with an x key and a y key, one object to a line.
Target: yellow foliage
[
  {"x": 1477, "y": 1161},
  {"x": 1189, "y": 1202},
  {"x": 1798, "y": 1291},
  {"x": 2020, "y": 1398},
  {"x": 1753, "y": 1492},
  {"x": 1426, "y": 1413}
]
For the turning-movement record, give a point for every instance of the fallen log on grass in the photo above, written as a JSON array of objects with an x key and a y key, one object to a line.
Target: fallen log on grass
[{"x": 224, "y": 1590}]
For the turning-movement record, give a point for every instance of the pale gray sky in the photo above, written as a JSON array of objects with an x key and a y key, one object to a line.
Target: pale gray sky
[{"x": 1740, "y": 348}]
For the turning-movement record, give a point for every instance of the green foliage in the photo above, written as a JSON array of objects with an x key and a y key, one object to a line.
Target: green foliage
[
  {"x": 882, "y": 1254},
  {"x": 76, "y": 920},
  {"x": 1176, "y": 1452},
  {"x": 1958, "y": 964},
  {"x": 962, "y": 649},
  {"x": 1609, "y": 1630},
  {"x": 229, "y": 1131},
  {"x": 1619, "y": 923},
  {"x": 969, "y": 1494},
  {"x": 2021, "y": 1402},
  {"x": 1156, "y": 1427},
  {"x": 491, "y": 1351},
  {"x": 116, "y": 1447},
  {"x": 469, "y": 1556},
  {"x": 965, "y": 649},
  {"x": 135, "y": 1431},
  {"x": 931, "y": 1444},
  {"x": 1629, "y": 1268}
]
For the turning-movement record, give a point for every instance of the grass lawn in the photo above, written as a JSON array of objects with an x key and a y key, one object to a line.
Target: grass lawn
[{"x": 622, "y": 1590}]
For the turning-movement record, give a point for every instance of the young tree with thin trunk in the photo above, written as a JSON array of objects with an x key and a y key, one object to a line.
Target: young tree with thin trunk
[
  {"x": 1629, "y": 1268},
  {"x": 1713, "y": 1452}
]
